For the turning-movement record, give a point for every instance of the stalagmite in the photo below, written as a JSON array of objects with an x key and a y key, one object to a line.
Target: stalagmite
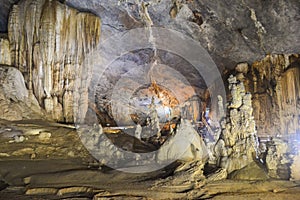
[
  {"x": 138, "y": 132},
  {"x": 154, "y": 121},
  {"x": 237, "y": 145},
  {"x": 221, "y": 112}
]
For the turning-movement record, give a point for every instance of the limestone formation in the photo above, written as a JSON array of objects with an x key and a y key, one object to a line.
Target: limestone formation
[
  {"x": 41, "y": 191},
  {"x": 44, "y": 135},
  {"x": 275, "y": 84},
  {"x": 15, "y": 100},
  {"x": 74, "y": 190},
  {"x": 185, "y": 145},
  {"x": 90, "y": 136},
  {"x": 253, "y": 171},
  {"x": 106, "y": 151},
  {"x": 295, "y": 170},
  {"x": 19, "y": 138},
  {"x": 221, "y": 112},
  {"x": 23, "y": 151},
  {"x": 294, "y": 149},
  {"x": 277, "y": 159},
  {"x": 4, "y": 51},
  {"x": 154, "y": 120},
  {"x": 138, "y": 131},
  {"x": 238, "y": 144},
  {"x": 145, "y": 14},
  {"x": 49, "y": 43},
  {"x": 242, "y": 68}
]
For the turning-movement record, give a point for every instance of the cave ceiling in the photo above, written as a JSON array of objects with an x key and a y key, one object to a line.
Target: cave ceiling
[{"x": 232, "y": 31}]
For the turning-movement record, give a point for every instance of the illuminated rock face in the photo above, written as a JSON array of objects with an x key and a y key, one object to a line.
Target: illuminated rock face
[
  {"x": 4, "y": 51},
  {"x": 185, "y": 145},
  {"x": 295, "y": 169},
  {"x": 48, "y": 43},
  {"x": 237, "y": 145},
  {"x": 275, "y": 85},
  {"x": 16, "y": 102}
]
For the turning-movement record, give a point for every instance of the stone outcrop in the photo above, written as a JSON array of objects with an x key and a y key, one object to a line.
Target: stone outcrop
[
  {"x": 280, "y": 156},
  {"x": 49, "y": 42},
  {"x": 238, "y": 144},
  {"x": 275, "y": 85},
  {"x": 277, "y": 159},
  {"x": 295, "y": 170},
  {"x": 113, "y": 153},
  {"x": 185, "y": 145},
  {"x": 253, "y": 171},
  {"x": 16, "y": 102}
]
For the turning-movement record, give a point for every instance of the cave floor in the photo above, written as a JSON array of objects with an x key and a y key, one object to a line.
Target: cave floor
[{"x": 57, "y": 166}]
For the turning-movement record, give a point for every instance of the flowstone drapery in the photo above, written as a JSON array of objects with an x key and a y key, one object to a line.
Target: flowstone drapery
[{"x": 49, "y": 43}]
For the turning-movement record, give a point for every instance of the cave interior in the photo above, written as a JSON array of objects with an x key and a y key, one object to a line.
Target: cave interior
[{"x": 149, "y": 99}]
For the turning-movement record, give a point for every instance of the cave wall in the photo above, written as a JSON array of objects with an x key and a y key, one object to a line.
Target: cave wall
[
  {"x": 231, "y": 31},
  {"x": 4, "y": 51},
  {"x": 48, "y": 43},
  {"x": 275, "y": 84}
]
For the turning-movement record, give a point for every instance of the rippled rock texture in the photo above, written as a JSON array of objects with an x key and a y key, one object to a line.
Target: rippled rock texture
[
  {"x": 4, "y": 50},
  {"x": 275, "y": 84},
  {"x": 48, "y": 44},
  {"x": 232, "y": 31}
]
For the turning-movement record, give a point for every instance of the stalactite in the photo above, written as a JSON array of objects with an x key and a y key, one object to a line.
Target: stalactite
[
  {"x": 13, "y": 33},
  {"x": 275, "y": 85},
  {"x": 29, "y": 20},
  {"x": 4, "y": 51},
  {"x": 49, "y": 43},
  {"x": 290, "y": 95}
]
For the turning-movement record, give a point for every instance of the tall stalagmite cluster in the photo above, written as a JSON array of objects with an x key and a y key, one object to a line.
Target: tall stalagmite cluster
[
  {"x": 49, "y": 43},
  {"x": 237, "y": 146}
]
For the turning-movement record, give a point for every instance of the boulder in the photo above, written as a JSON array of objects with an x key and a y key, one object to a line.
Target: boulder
[
  {"x": 253, "y": 171},
  {"x": 185, "y": 145},
  {"x": 16, "y": 101}
]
